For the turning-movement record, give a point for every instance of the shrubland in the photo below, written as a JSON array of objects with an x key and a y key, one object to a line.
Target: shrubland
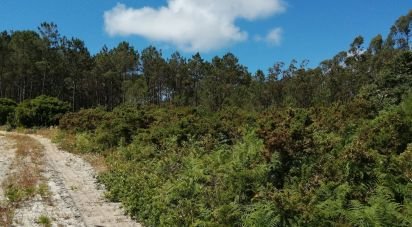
[{"x": 284, "y": 166}]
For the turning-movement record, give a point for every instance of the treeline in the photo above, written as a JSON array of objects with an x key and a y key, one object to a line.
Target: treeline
[{"x": 47, "y": 63}]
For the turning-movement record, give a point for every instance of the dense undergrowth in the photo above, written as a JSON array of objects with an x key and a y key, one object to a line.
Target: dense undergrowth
[{"x": 340, "y": 165}]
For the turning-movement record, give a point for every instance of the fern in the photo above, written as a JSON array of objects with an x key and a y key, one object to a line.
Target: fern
[
  {"x": 381, "y": 210},
  {"x": 261, "y": 214}
]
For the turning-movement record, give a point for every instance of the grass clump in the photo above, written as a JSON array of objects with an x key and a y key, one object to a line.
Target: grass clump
[{"x": 44, "y": 221}]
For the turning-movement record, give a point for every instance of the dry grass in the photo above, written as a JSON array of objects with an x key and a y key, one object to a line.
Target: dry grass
[
  {"x": 6, "y": 215},
  {"x": 4, "y": 128},
  {"x": 67, "y": 142},
  {"x": 24, "y": 179},
  {"x": 49, "y": 133},
  {"x": 97, "y": 161}
]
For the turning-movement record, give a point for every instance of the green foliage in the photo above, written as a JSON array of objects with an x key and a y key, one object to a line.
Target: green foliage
[
  {"x": 261, "y": 214},
  {"x": 7, "y": 108},
  {"x": 389, "y": 132},
  {"x": 121, "y": 125},
  {"x": 15, "y": 193},
  {"x": 188, "y": 186},
  {"x": 83, "y": 120},
  {"x": 381, "y": 210},
  {"x": 44, "y": 221},
  {"x": 85, "y": 143},
  {"x": 288, "y": 134},
  {"x": 41, "y": 111},
  {"x": 43, "y": 190},
  {"x": 284, "y": 167}
]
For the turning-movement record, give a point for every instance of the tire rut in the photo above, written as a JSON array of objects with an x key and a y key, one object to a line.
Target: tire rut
[
  {"x": 7, "y": 154},
  {"x": 75, "y": 198},
  {"x": 79, "y": 179}
]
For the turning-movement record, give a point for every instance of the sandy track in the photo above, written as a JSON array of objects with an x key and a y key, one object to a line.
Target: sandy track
[
  {"x": 77, "y": 199},
  {"x": 7, "y": 153}
]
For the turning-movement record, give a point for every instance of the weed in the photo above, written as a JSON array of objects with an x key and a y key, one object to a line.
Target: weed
[
  {"x": 6, "y": 215},
  {"x": 44, "y": 221},
  {"x": 24, "y": 182},
  {"x": 14, "y": 194}
]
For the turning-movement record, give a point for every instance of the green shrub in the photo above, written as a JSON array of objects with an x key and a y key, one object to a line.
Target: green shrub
[
  {"x": 41, "y": 111},
  {"x": 84, "y": 120},
  {"x": 85, "y": 143},
  {"x": 7, "y": 108},
  {"x": 389, "y": 132},
  {"x": 121, "y": 125}
]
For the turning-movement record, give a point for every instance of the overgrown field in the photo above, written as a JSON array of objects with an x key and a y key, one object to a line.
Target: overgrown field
[{"x": 341, "y": 165}]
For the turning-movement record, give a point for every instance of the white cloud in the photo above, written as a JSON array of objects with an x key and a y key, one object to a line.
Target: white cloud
[
  {"x": 273, "y": 37},
  {"x": 191, "y": 25}
]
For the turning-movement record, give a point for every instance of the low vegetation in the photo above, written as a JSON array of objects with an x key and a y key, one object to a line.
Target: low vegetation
[
  {"x": 288, "y": 166},
  {"x": 44, "y": 221},
  {"x": 7, "y": 108},
  {"x": 25, "y": 180}
]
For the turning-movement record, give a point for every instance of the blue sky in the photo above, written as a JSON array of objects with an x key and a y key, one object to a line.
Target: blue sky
[{"x": 313, "y": 30}]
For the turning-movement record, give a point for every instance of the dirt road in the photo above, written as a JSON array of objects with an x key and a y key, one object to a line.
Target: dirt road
[
  {"x": 7, "y": 153},
  {"x": 76, "y": 199}
]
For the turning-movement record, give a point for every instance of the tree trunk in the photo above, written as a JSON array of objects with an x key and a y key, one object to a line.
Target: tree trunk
[
  {"x": 74, "y": 97},
  {"x": 43, "y": 81}
]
